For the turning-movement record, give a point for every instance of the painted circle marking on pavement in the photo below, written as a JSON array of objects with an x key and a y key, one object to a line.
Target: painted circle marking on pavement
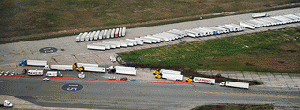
[
  {"x": 48, "y": 50},
  {"x": 72, "y": 87}
]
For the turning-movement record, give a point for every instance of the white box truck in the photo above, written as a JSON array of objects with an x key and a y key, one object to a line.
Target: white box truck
[
  {"x": 53, "y": 74},
  {"x": 243, "y": 85},
  {"x": 58, "y": 67},
  {"x": 35, "y": 72},
  {"x": 205, "y": 80},
  {"x": 33, "y": 63}
]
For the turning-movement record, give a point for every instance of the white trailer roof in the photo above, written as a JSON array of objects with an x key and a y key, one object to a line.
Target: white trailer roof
[
  {"x": 96, "y": 35},
  {"x": 101, "y": 34},
  {"x": 120, "y": 32},
  {"x": 83, "y": 36},
  {"x": 112, "y": 34},
  {"x": 149, "y": 41},
  {"x": 92, "y": 36},
  {"x": 117, "y": 32},
  {"x": 104, "y": 34},
  {"x": 123, "y": 31},
  {"x": 96, "y": 47},
  {"x": 108, "y": 34},
  {"x": 107, "y": 46},
  {"x": 247, "y": 25}
]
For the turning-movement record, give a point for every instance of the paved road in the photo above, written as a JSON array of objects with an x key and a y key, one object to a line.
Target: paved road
[{"x": 141, "y": 95}]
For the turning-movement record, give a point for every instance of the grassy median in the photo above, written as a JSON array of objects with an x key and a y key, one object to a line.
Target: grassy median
[
  {"x": 234, "y": 107},
  {"x": 36, "y": 19},
  {"x": 270, "y": 51}
]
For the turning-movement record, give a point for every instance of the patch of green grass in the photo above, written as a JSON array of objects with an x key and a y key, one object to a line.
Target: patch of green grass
[
  {"x": 266, "y": 52},
  {"x": 31, "y": 17},
  {"x": 234, "y": 107}
]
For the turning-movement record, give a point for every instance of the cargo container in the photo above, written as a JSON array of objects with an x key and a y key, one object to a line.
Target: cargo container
[
  {"x": 235, "y": 84},
  {"x": 33, "y": 63},
  {"x": 205, "y": 80}
]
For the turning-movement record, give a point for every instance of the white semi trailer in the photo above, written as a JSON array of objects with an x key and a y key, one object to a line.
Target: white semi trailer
[
  {"x": 204, "y": 80},
  {"x": 94, "y": 69},
  {"x": 123, "y": 31},
  {"x": 235, "y": 84},
  {"x": 33, "y": 63},
  {"x": 123, "y": 70},
  {"x": 58, "y": 67},
  {"x": 173, "y": 77},
  {"x": 164, "y": 71},
  {"x": 96, "y": 47}
]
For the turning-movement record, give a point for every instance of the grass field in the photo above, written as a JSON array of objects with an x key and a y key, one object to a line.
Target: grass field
[
  {"x": 270, "y": 51},
  {"x": 234, "y": 107},
  {"x": 33, "y": 19}
]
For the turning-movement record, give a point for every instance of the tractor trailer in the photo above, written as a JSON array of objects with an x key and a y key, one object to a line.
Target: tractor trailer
[{"x": 33, "y": 63}]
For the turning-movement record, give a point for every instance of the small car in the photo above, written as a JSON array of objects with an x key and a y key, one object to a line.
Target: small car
[
  {"x": 132, "y": 79},
  {"x": 2, "y": 73},
  {"x": 112, "y": 78},
  {"x": 46, "y": 79},
  {"x": 13, "y": 73},
  {"x": 124, "y": 79},
  {"x": 6, "y": 73}
]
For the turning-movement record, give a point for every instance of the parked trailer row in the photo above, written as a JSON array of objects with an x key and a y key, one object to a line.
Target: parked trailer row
[
  {"x": 176, "y": 34},
  {"x": 101, "y": 34},
  {"x": 271, "y": 21},
  {"x": 170, "y": 35},
  {"x": 208, "y": 31}
]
